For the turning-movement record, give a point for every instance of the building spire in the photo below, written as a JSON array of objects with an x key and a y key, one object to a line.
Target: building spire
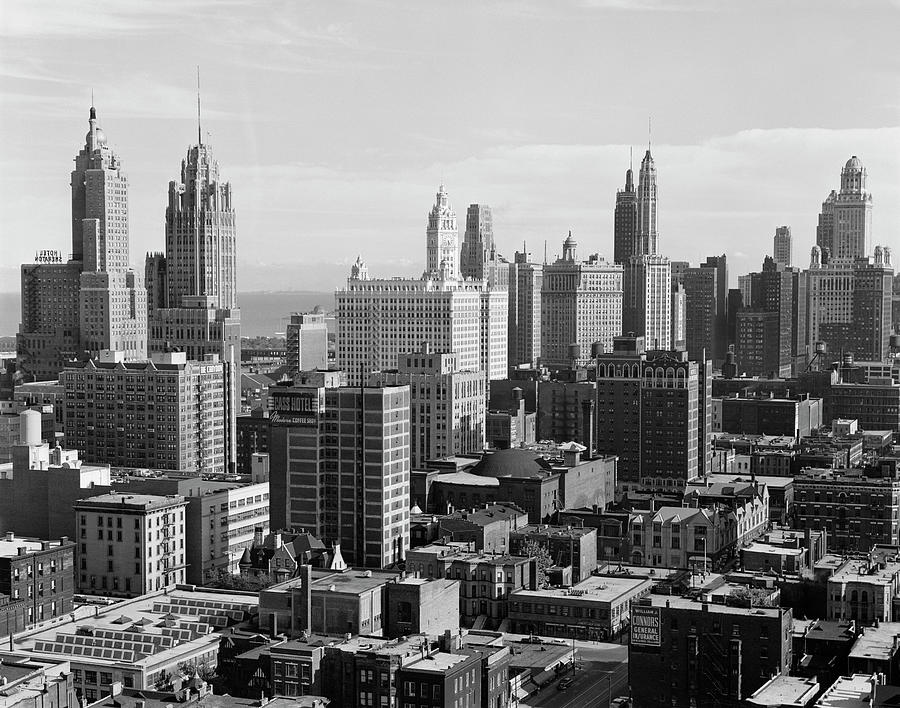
[
  {"x": 649, "y": 132},
  {"x": 199, "y": 130}
]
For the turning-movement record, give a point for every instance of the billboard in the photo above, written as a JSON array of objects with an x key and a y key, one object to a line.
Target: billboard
[
  {"x": 295, "y": 407},
  {"x": 645, "y": 626}
]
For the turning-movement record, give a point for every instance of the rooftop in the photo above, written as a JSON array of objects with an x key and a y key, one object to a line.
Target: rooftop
[
  {"x": 785, "y": 691},
  {"x": 459, "y": 552},
  {"x": 555, "y": 531},
  {"x": 774, "y": 549},
  {"x": 596, "y": 588},
  {"x": 147, "y": 630},
  {"x": 847, "y": 692},
  {"x": 687, "y": 603},
  {"x": 9, "y": 547},
  {"x": 439, "y": 662},
  {"x": 864, "y": 571},
  {"x": 146, "y": 502},
  {"x": 877, "y": 643},
  {"x": 769, "y": 480},
  {"x": 352, "y": 581}
]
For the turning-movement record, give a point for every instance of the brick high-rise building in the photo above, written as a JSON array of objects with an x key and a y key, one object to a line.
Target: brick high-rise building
[
  {"x": 95, "y": 301},
  {"x": 40, "y": 573},
  {"x": 339, "y": 466},
  {"x": 653, "y": 411},
  {"x": 581, "y": 304},
  {"x": 166, "y": 413}
]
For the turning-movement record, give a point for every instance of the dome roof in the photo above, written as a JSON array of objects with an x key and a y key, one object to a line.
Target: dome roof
[
  {"x": 510, "y": 463},
  {"x": 853, "y": 163},
  {"x": 570, "y": 240}
]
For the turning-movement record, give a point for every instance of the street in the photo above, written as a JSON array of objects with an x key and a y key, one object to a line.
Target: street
[{"x": 601, "y": 675}]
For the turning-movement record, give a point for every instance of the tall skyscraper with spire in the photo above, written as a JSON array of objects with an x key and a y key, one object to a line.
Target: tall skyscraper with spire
[
  {"x": 198, "y": 275},
  {"x": 646, "y": 207},
  {"x": 95, "y": 301},
  {"x": 442, "y": 237}
]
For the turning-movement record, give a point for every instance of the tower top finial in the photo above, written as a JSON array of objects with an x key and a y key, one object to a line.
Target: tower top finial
[
  {"x": 649, "y": 132},
  {"x": 199, "y": 130}
]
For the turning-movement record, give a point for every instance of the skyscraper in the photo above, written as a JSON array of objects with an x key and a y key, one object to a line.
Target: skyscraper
[
  {"x": 706, "y": 290},
  {"x": 845, "y": 222},
  {"x": 849, "y": 304},
  {"x": 625, "y": 222},
  {"x": 442, "y": 238},
  {"x": 647, "y": 300},
  {"x": 95, "y": 301},
  {"x": 479, "y": 259},
  {"x": 581, "y": 304},
  {"x": 525, "y": 283},
  {"x": 306, "y": 341},
  {"x": 380, "y": 319},
  {"x": 781, "y": 246},
  {"x": 646, "y": 207},
  {"x": 198, "y": 275},
  {"x": 340, "y": 467}
]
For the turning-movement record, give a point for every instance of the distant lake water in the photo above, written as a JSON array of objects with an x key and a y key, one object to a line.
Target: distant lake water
[{"x": 262, "y": 313}]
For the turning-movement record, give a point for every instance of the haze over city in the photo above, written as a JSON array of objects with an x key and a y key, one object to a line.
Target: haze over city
[{"x": 335, "y": 123}]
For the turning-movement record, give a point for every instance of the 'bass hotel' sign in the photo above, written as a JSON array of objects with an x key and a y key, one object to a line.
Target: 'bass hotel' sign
[
  {"x": 645, "y": 626},
  {"x": 295, "y": 407}
]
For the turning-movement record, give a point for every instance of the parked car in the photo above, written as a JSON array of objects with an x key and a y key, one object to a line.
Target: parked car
[{"x": 564, "y": 684}]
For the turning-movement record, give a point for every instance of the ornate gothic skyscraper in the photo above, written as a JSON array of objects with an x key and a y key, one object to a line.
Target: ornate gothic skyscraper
[
  {"x": 646, "y": 203},
  {"x": 200, "y": 314},
  {"x": 200, "y": 234},
  {"x": 442, "y": 237}
]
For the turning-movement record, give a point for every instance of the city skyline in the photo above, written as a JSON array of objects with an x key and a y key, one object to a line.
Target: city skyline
[{"x": 321, "y": 114}]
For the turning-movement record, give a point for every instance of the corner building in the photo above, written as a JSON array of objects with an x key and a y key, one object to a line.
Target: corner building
[{"x": 130, "y": 544}]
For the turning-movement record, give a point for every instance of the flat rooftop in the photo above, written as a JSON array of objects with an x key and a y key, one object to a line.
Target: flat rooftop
[
  {"x": 146, "y": 630},
  {"x": 459, "y": 551},
  {"x": 9, "y": 547},
  {"x": 686, "y": 603},
  {"x": 351, "y": 581},
  {"x": 596, "y": 588},
  {"x": 861, "y": 571},
  {"x": 439, "y": 662},
  {"x": 134, "y": 501},
  {"x": 773, "y": 549},
  {"x": 876, "y": 643},
  {"x": 847, "y": 692},
  {"x": 784, "y": 691},
  {"x": 770, "y": 481}
]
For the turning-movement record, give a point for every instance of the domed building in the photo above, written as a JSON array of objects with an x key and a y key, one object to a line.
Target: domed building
[{"x": 539, "y": 483}]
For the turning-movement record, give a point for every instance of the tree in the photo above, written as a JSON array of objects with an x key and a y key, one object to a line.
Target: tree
[
  {"x": 750, "y": 597},
  {"x": 188, "y": 668},
  {"x": 541, "y": 555},
  {"x": 222, "y": 579}
]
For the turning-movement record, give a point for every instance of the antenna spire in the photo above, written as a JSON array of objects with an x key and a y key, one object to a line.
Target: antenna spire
[
  {"x": 649, "y": 132},
  {"x": 631, "y": 157},
  {"x": 199, "y": 130}
]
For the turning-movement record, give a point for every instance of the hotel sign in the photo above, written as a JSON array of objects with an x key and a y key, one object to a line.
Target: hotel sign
[
  {"x": 47, "y": 256},
  {"x": 645, "y": 626},
  {"x": 295, "y": 407}
]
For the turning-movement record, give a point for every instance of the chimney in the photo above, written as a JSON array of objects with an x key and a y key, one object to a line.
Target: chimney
[
  {"x": 22, "y": 551},
  {"x": 10, "y": 536}
]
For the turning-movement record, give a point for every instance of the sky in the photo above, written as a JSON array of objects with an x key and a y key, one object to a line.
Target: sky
[{"x": 336, "y": 121}]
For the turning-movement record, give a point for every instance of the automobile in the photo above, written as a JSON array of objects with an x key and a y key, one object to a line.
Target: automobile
[
  {"x": 620, "y": 702},
  {"x": 564, "y": 684}
]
